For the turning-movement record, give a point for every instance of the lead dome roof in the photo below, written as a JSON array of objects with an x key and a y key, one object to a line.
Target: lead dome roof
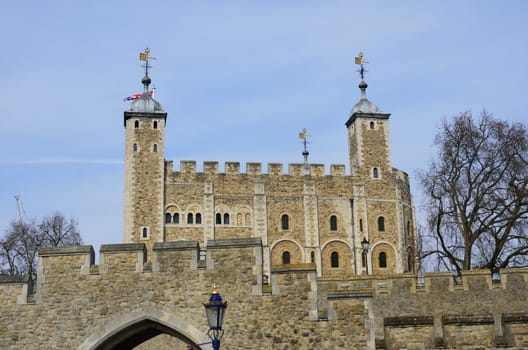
[
  {"x": 145, "y": 103},
  {"x": 364, "y": 105}
]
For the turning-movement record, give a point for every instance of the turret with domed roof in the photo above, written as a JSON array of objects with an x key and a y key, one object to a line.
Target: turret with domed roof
[{"x": 144, "y": 123}]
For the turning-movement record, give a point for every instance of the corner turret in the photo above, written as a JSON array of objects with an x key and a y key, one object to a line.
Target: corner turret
[{"x": 144, "y": 123}]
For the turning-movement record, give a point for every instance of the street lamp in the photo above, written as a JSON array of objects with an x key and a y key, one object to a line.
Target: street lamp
[
  {"x": 215, "y": 310},
  {"x": 365, "y": 246}
]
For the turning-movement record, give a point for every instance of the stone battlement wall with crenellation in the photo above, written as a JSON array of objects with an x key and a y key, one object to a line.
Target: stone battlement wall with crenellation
[
  {"x": 364, "y": 312},
  {"x": 188, "y": 167}
]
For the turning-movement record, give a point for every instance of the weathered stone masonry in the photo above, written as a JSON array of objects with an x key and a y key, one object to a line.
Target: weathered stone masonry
[
  {"x": 79, "y": 305},
  {"x": 301, "y": 214}
]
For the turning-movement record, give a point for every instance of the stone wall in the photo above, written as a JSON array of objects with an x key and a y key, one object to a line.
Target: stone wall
[
  {"x": 129, "y": 298},
  {"x": 254, "y": 204}
]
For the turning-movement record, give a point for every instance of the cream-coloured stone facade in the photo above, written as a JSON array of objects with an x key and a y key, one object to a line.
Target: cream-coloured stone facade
[
  {"x": 285, "y": 250},
  {"x": 300, "y": 216},
  {"x": 129, "y": 302}
]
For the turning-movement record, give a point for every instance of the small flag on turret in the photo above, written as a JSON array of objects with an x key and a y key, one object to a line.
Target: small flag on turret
[{"x": 136, "y": 96}]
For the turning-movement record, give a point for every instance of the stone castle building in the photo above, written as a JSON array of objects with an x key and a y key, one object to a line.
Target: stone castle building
[
  {"x": 285, "y": 249},
  {"x": 302, "y": 215}
]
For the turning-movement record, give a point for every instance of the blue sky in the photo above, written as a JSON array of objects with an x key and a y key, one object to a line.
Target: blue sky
[{"x": 239, "y": 80}]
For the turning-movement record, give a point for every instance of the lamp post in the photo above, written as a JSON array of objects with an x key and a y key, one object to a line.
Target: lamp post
[
  {"x": 215, "y": 310},
  {"x": 365, "y": 246}
]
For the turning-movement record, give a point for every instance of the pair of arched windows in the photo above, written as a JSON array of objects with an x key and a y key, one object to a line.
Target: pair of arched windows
[
  {"x": 219, "y": 218},
  {"x": 172, "y": 218},
  {"x": 194, "y": 218}
]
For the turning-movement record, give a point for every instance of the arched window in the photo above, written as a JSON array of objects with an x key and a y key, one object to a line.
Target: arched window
[
  {"x": 285, "y": 222},
  {"x": 226, "y": 219},
  {"x": 375, "y": 173},
  {"x": 408, "y": 227},
  {"x": 333, "y": 223},
  {"x": 312, "y": 257},
  {"x": 168, "y": 218},
  {"x": 155, "y": 148},
  {"x": 247, "y": 219},
  {"x": 382, "y": 258},
  {"x": 144, "y": 232},
  {"x": 155, "y": 124},
  {"x": 381, "y": 224},
  {"x": 198, "y": 218},
  {"x": 176, "y": 218},
  {"x": 218, "y": 219},
  {"x": 239, "y": 219},
  {"x": 136, "y": 124},
  {"x": 134, "y": 147},
  {"x": 190, "y": 218},
  {"x": 334, "y": 259},
  {"x": 361, "y": 225},
  {"x": 286, "y": 259},
  {"x": 371, "y": 125}
]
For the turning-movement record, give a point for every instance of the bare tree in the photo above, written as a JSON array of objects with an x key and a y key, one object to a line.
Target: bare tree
[
  {"x": 477, "y": 194},
  {"x": 22, "y": 240},
  {"x": 58, "y": 231},
  {"x": 9, "y": 256}
]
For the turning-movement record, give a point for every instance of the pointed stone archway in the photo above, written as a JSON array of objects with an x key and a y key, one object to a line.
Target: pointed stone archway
[{"x": 127, "y": 330}]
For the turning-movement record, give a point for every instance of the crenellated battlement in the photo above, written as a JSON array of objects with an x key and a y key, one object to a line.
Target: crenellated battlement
[
  {"x": 446, "y": 309},
  {"x": 212, "y": 168},
  {"x": 132, "y": 258}
]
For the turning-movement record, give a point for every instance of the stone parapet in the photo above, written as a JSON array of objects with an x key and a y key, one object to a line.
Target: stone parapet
[
  {"x": 176, "y": 245},
  {"x": 212, "y": 168},
  {"x": 369, "y": 311},
  {"x": 234, "y": 243}
]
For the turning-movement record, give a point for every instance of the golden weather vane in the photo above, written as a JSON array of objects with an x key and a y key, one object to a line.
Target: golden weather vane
[
  {"x": 303, "y": 134},
  {"x": 145, "y": 56},
  {"x": 359, "y": 61}
]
